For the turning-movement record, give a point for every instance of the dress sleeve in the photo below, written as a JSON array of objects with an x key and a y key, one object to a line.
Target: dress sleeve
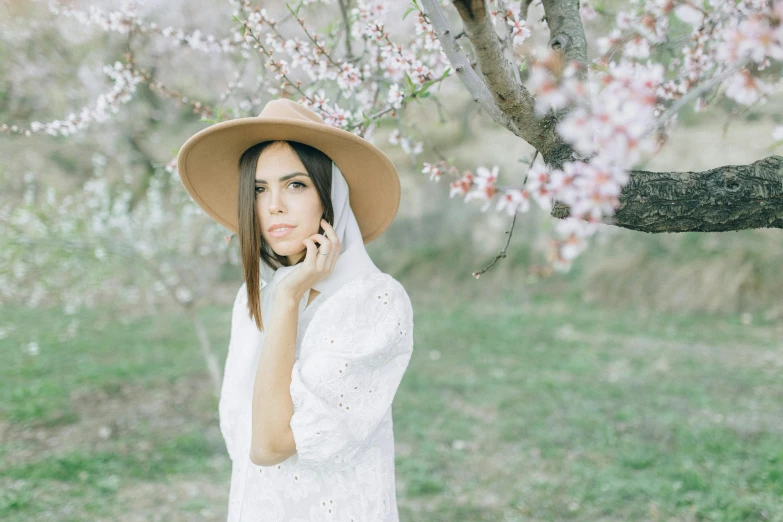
[{"x": 343, "y": 387}]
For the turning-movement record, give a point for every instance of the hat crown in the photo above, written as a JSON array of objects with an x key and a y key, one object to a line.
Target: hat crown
[{"x": 285, "y": 108}]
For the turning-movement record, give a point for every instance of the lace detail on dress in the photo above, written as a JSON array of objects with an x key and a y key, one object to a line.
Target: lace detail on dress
[{"x": 349, "y": 371}]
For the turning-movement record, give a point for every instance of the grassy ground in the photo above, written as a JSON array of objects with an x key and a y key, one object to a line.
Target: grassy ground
[{"x": 541, "y": 411}]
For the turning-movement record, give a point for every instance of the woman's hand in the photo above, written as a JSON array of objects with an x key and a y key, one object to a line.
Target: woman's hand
[{"x": 315, "y": 266}]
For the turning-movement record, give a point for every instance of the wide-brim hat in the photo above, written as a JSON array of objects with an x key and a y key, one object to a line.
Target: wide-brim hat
[{"x": 208, "y": 163}]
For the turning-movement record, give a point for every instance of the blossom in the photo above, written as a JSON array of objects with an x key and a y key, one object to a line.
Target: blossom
[
  {"x": 484, "y": 183},
  {"x": 576, "y": 128},
  {"x": 395, "y": 97},
  {"x": 538, "y": 186},
  {"x": 513, "y": 201},
  {"x": 637, "y": 47},
  {"x": 461, "y": 186},
  {"x": 689, "y": 14},
  {"x": 548, "y": 92},
  {"x": 433, "y": 171},
  {"x": 394, "y": 137},
  {"x": 519, "y": 29},
  {"x": 744, "y": 88},
  {"x": 349, "y": 77}
]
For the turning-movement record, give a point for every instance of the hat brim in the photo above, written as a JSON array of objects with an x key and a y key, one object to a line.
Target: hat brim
[{"x": 208, "y": 165}]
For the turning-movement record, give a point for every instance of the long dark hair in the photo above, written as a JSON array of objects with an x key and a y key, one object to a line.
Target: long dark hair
[{"x": 252, "y": 246}]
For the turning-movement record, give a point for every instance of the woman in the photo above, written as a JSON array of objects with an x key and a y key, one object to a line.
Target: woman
[{"x": 320, "y": 337}]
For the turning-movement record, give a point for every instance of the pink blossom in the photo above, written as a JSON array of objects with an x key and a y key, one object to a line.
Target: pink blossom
[
  {"x": 394, "y": 137},
  {"x": 461, "y": 186},
  {"x": 689, "y": 14},
  {"x": 484, "y": 186},
  {"x": 395, "y": 97},
  {"x": 548, "y": 93},
  {"x": 744, "y": 88},
  {"x": 433, "y": 171},
  {"x": 519, "y": 29},
  {"x": 637, "y": 47},
  {"x": 513, "y": 201},
  {"x": 349, "y": 77},
  {"x": 576, "y": 129},
  {"x": 537, "y": 185}
]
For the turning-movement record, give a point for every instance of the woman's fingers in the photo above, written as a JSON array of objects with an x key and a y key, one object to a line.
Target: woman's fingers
[
  {"x": 312, "y": 250},
  {"x": 329, "y": 231},
  {"x": 337, "y": 246},
  {"x": 330, "y": 244},
  {"x": 323, "y": 241},
  {"x": 325, "y": 245}
]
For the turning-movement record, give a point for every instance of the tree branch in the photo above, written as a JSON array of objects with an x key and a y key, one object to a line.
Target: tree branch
[
  {"x": 475, "y": 86},
  {"x": 347, "y": 24},
  {"x": 567, "y": 34},
  {"x": 513, "y": 100},
  {"x": 732, "y": 197}
]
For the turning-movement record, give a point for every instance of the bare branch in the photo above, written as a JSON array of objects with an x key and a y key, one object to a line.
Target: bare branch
[
  {"x": 475, "y": 86},
  {"x": 502, "y": 252}
]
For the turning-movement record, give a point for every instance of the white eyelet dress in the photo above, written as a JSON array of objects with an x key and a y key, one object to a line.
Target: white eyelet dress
[{"x": 352, "y": 349}]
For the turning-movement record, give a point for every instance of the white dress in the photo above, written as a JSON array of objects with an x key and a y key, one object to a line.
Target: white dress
[{"x": 352, "y": 349}]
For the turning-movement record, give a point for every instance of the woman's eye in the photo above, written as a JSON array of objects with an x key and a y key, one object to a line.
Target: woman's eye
[{"x": 301, "y": 186}]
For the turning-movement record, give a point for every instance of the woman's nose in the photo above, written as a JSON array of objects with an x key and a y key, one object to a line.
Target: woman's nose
[{"x": 276, "y": 203}]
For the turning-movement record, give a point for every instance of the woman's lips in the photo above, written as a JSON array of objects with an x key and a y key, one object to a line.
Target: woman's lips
[{"x": 281, "y": 232}]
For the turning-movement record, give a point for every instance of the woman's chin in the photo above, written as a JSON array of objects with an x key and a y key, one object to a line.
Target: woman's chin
[{"x": 287, "y": 247}]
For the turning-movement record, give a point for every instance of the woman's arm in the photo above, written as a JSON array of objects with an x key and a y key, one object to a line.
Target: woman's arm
[{"x": 272, "y": 440}]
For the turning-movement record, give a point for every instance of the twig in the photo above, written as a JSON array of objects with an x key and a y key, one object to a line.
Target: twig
[
  {"x": 314, "y": 39},
  {"x": 269, "y": 55},
  {"x": 693, "y": 93},
  {"x": 502, "y": 253}
]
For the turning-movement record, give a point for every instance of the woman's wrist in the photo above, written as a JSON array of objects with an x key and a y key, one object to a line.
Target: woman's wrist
[{"x": 287, "y": 297}]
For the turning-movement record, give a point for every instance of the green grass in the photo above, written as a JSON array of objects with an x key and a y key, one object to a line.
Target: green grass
[{"x": 548, "y": 410}]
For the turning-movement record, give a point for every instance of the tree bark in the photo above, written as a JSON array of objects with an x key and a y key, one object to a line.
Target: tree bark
[{"x": 733, "y": 197}]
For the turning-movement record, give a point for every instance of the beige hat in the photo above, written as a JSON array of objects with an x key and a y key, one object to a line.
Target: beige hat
[{"x": 208, "y": 163}]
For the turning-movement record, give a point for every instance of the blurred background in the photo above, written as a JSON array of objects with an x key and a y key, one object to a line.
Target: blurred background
[{"x": 644, "y": 384}]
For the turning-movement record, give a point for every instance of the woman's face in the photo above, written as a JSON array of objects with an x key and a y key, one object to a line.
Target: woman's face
[{"x": 285, "y": 199}]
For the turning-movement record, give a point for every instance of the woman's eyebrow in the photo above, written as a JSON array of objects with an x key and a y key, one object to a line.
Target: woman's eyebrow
[{"x": 283, "y": 178}]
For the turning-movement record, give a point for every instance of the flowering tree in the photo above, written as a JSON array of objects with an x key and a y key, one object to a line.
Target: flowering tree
[
  {"x": 589, "y": 121},
  {"x": 94, "y": 247},
  {"x": 592, "y": 122}
]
